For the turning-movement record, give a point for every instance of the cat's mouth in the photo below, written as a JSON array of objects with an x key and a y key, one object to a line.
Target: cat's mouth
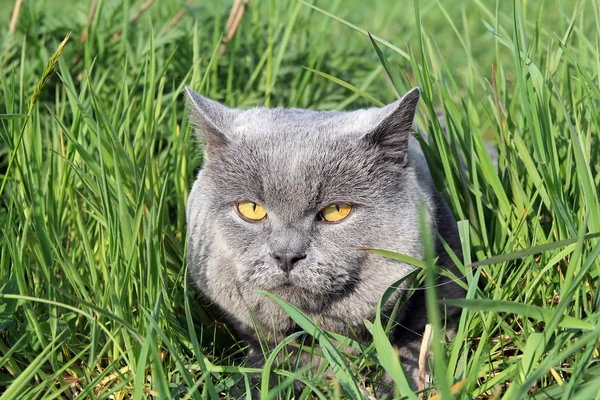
[
  {"x": 274, "y": 283},
  {"x": 279, "y": 283},
  {"x": 287, "y": 286},
  {"x": 290, "y": 292},
  {"x": 288, "y": 283}
]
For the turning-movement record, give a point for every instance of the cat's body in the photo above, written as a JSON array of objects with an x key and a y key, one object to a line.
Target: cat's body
[{"x": 292, "y": 164}]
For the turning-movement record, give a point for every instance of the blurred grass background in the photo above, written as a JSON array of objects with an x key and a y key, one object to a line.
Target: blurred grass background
[{"x": 96, "y": 165}]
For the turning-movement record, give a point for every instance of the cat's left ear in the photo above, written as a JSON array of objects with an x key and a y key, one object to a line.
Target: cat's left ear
[{"x": 393, "y": 129}]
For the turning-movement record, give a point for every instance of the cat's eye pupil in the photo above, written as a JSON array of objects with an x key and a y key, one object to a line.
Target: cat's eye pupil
[{"x": 253, "y": 206}]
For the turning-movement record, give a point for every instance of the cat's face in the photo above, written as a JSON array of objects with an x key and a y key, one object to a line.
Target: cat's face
[{"x": 288, "y": 197}]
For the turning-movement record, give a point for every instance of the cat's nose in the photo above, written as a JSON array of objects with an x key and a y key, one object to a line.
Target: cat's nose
[{"x": 287, "y": 261}]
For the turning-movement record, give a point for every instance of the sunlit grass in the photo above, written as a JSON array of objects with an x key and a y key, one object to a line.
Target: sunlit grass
[{"x": 96, "y": 166}]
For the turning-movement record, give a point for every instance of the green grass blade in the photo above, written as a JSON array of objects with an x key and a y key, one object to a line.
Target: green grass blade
[
  {"x": 526, "y": 310},
  {"x": 333, "y": 355}
]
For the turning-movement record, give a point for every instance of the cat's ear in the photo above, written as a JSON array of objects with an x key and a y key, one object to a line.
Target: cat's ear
[
  {"x": 392, "y": 131},
  {"x": 212, "y": 120}
]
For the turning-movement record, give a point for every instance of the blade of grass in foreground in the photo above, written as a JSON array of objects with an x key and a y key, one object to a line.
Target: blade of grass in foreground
[
  {"x": 398, "y": 257},
  {"x": 12, "y": 116},
  {"x": 556, "y": 357},
  {"x": 347, "y": 86},
  {"x": 433, "y": 311},
  {"x": 526, "y": 310},
  {"x": 24, "y": 379},
  {"x": 194, "y": 339},
  {"x": 89, "y": 316},
  {"x": 264, "y": 384},
  {"x": 335, "y": 358},
  {"x": 530, "y": 251},
  {"x": 386, "y": 66},
  {"x": 181, "y": 367},
  {"x": 388, "y": 356},
  {"x": 36, "y": 93}
]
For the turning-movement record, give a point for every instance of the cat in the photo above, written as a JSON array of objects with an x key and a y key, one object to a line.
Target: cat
[{"x": 285, "y": 200}]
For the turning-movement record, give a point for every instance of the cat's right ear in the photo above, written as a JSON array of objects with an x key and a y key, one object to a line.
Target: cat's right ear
[{"x": 212, "y": 121}]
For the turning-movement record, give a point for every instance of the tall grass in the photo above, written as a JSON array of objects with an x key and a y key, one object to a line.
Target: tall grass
[{"x": 96, "y": 161}]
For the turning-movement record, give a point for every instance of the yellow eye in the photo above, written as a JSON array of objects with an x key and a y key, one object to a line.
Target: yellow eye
[
  {"x": 335, "y": 212},
  {"x": 251, "y": 211}
]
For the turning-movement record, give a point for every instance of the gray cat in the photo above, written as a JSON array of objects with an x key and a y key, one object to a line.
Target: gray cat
[{"x": 285, "y": 199}]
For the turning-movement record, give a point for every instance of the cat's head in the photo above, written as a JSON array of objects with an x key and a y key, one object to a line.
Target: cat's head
[{"x": 287, "y": 197}]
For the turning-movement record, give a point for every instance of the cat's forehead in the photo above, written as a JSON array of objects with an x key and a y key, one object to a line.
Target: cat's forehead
[
  {"x": 289, "y": 121},
  {"x": 294, "y": 147}
]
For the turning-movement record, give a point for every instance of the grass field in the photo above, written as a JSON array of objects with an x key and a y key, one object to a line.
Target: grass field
[{"x": 97, "y": 157}]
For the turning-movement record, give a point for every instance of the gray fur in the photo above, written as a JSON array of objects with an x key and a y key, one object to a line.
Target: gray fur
[{"x": 294, "y": 162}]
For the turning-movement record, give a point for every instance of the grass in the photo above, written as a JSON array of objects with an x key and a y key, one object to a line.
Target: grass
[{"x": 96, "y": 162}]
